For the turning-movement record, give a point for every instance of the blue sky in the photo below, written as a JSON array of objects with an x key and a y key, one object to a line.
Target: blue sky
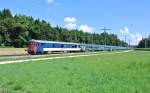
[{"x": 124, "y": 17}]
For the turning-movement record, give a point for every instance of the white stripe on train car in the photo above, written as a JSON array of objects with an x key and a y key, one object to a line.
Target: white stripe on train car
[{"x": 61, "y": 49}]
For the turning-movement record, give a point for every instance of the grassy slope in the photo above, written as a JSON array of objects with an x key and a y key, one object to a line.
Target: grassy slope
[{"x": 117, "y": 73}]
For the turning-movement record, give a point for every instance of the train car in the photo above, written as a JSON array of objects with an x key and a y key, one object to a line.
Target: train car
[
  {"x": 86, "y": 47},
  {"x": 43, "y": 47},
  {"x": 91, "y": 47}
]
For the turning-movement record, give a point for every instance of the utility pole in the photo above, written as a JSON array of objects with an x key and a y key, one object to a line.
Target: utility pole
[
  {"x": 75, "y": 36},
  {"x": 125, "y": 38},
  {"x": 105, "y": 29},
  {"x": 129, "y": 43},
  {"x": 145, "y": 43},
  {"x": 92, "y": 38}
]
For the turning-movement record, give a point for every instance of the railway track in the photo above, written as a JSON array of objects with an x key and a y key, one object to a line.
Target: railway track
[
  {"x": 56, "y": 56},
  {"x": 28, "y": 56},
  {"x": 61, "y": 57}
]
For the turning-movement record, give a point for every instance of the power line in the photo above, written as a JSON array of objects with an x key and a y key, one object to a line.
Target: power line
[{"x": 105, "y": 29}]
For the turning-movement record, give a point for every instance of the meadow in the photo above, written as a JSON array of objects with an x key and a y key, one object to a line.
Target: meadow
[{"x": 104, "y": 73}]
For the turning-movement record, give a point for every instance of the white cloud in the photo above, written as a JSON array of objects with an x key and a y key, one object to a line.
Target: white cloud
[
  {"x": 86, "y": 28},
  {"x": 125, "y": 30},
  {"x": 71, "y": 22},
  {"x": 54, "y": 3},
  {"x": 71, "y": 26},
  {"x": 50, "y": 1},
  {"x": 133, "y": 38}
]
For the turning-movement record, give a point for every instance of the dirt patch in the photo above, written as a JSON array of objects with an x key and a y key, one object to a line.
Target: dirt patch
[{"x": 12, "y": 51}]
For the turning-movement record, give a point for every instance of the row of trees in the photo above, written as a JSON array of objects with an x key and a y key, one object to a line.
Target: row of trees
[
  {"x": 144, "y": 43},
  {"x": 17, "y": 30}
]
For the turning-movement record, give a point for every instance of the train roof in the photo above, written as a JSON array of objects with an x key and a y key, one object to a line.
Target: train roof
[{"x": 44, "y": 41}]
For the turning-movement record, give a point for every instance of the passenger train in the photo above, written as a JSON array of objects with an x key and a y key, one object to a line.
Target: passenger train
[{"x": 43, "y": 47}]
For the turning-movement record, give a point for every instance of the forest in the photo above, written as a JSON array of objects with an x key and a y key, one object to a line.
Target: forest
[
  {"x": 17, "y": 30},
  {"x": 144, "y": 43}
]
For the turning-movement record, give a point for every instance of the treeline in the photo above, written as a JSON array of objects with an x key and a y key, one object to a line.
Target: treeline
[
  {"x": 144, "y": 43},
  {"x": 17, "y": 30}
]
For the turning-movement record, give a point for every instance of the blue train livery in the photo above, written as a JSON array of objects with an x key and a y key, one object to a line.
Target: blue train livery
[{"x": 43, "y": 47}]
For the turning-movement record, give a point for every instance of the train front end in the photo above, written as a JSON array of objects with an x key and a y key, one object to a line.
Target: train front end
[{"x": 32, "y": 48}]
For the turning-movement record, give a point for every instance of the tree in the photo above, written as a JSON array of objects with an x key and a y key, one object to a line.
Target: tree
[
  {"x": 144, "y": 43},
  {"x": 1, "y": 40},
  {"x": 18, "y": 35},
  {"x": 5, "y": 13},
  {"x": 5, "y": 39},
  {"x": 19, "y": 29}
]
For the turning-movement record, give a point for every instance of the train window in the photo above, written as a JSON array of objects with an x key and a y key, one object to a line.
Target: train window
[
  {"x": 68, "y": 46},
  {"x": 50, "y": 45},
  {"x": 65, "y": 46},
  {"x": 56, "y": 45},
  {"x": 62, "y": 46},
  {"x": 59, "y": 45},
  {"x": 71, "y": 46},
  {"x": 42, "y": 43},
  {"x": 75, "y": 46}
]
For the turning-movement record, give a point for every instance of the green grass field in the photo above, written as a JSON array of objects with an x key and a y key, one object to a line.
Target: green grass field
[{"x": 113, "y": 73}]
